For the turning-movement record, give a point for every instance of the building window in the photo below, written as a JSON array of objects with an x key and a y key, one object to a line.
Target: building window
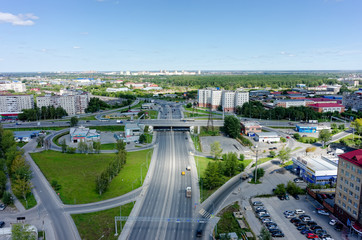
[
  {"x": 342, "y": 171},
  {"x": 351, "y": 185},
  {"x": 355, "y": 205},
  {"x": 356, "y": 196},
  {"x": 359, "y": 171},
  {"x": 347, "y": 174},
  {"x": 347, "y": 165},
  {"x": 349, "y": 209},
  {"x": 345, "y": 189},
  {"x": 354, "y": 213},
  {"x": 346, "y": 182},
  {"x": 358, "y": 180},
  {"x": 352, "y": 177},
  {"x": 341, "y": 178},
  {"x": 350, "y": 193},
  {"x": 357, "y": 188},
  {"x": 349, "y": 201},
  {"x": 344, "y": 205},
  {"x": 344, "y": 197}
]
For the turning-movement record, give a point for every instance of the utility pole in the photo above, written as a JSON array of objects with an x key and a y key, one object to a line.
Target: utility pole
[{"x": 256, "y": 164}]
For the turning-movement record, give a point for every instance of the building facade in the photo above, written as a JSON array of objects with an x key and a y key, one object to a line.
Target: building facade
[
  {"x": 327, "y": 107},
  {"x": 250, "y": 128},
  {"x": 16, "y": 103},
  {"x": 14, "y": 86},
  {"x": 229, "y": 100},
  {"x": 72, "y": 104},
  {"x": 347, "y": 205},
  {"x": 353, "y": 100}
]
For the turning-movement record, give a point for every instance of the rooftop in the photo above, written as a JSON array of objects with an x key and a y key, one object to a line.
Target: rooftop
[
  {"x": 354, "y": 157},
  {"x": 318, "y": 105},
  {"x": 250, "y": 124},
  {"x": 267, "y": 134},
  {"x": 318, "y": 165}
]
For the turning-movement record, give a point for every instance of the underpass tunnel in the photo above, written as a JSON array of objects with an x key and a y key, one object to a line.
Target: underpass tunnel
[{"x": 168, "y": 128}]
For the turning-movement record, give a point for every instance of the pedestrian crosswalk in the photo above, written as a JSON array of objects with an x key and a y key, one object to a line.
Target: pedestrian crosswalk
[{"x": 205, "y": 214}]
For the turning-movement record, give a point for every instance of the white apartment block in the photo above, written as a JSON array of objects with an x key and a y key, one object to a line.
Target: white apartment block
[
  {"x": 72, "y": 104},
  {"x": 353, "y": 100},
  {"x": 15, "y": 86},
  {"x": 227, "y": 99},
  {"x": 16, "y": 103}
]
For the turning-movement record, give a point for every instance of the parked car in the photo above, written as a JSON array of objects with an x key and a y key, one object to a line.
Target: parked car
[
  {"x": 297, "y": 222},
  {"x": 296, "y": 196},
  {"x": 258, "y": 203},
  {"x": 286, "y": 197},
  {"x": 2, "y": 224},
  {"x": 299, "y": 211},
  {"x": 258, "y": 209},
  {"x": 314, "y": 227},
  {"x": 290, "y": 215},
  {"x": 324, "y": 196},
  {"x": 281, "y": 197},
  {"x": 298, "y": 180},
  {"x": 338, "y": 227},
  {"x": 306, "y": 231},
  {"x": 302, "y": 227},
  {"x": 323, "y": 212},
  {"x": 265, "y": 220},
  {"x": 2, "y": 206},
  {"x": 312, "y": 235},
  {"x": 311, "y": 223},
  {"x": 294, "y": 219},
  {"x": 288, "y": 212},
  {"x": 332, "y": 222},
  {"x": 277, "y": 234}
]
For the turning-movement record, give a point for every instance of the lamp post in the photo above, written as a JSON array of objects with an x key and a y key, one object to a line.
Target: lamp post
[{"x": 256, "y": 164}]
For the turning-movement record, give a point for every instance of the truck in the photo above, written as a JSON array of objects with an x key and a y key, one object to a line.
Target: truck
[
  {"x": 119, "y": 121},
  {"x": 188, "y": 192}
]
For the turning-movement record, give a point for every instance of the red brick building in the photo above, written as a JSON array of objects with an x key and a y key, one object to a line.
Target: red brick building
[{"x": 327, "y": 107}]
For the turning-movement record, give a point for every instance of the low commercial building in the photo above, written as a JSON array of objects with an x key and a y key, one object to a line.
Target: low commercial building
[
  {"x": 267, "y": 137},
  {"x": 327, "y": 107},
  {"x": 315, "y": 169},
  {"x": 291, "y": 103},
  {"x": 147, "y": 106},
  {"x": 306, "y": 128},
  {"x": 82, "y": 134},
  {"x": 250, "y": 128}
]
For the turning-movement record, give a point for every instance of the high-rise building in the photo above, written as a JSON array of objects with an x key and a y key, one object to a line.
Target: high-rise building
[
  {"x": 353, "y": 100},
  {"x": 72, "y": 104},
  {"x": 347, "y": 203},
  {"x": 16, "y": 103},
  {"x": 229, "y": 100}
]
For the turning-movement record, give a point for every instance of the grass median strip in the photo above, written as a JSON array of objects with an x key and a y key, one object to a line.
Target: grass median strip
[
  {"x": 76, "y": 173},
  {"x": 100, "y": 225}
]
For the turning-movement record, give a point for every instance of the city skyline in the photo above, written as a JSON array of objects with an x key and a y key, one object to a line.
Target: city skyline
[{"x": 108, "y": 35}]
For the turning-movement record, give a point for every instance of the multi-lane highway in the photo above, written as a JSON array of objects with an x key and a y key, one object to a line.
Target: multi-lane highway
[{"x": 166, "y": 195}]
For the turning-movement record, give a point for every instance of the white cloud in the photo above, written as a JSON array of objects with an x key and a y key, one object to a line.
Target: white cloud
[
  {"x": 287, "y": 54},
  {"x": 76, "y": 47},
  {"x": 18, "y": 20}
]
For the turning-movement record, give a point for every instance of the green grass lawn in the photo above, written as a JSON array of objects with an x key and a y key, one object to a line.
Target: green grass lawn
[
  {"x": 295, "y": 149},
  {"x": 246, "y": 162},
  {"x": 153, "y": 114},
  {"x": 74, "y": 170},
  {"x": 262, "y": 160},
  {"x": 116, "y": 128},
  {"x": 87, "y": 118},
  {"x": 20, "y": 144},
  {"x": 352, "y": 140},
  {"x": 196, "y": 141},
  {"x": 201, "y": 111},
  {"x": 108, "y": 146},
  {"x": 192, "y": 115},
  {"x": 307, "y": 139},
  {"x": 97, "y": 224},
  {"x": 31, "y": 201}
]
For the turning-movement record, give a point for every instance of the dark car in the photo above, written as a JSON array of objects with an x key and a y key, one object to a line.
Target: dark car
[
  {"x": 306, "y": 231},
  {"x": 303, "y": 216},
  {"x": 278, "y": 234},
  {"x": 294, "y": 219},
  {"x": 299, "y": 224},
  {"x": 338, "y": 227},
  {"x": 314, "y": 227},
  {"x": 302, "y": 227},
  {"x": 311, "y": 223},
  {"x": 199, "y": 233},
  {"x": 281, "y": 197},
  {"x": 296, "y": 196},
  {"x": 2, "y": 224}
]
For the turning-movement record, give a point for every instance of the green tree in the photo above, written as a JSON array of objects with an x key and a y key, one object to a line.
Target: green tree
[
  {"x": 293, "y": 189},
  {"x": 280, "y": 190},
  {"x": 55, "y": 185},
  {"x": 341, "y": 127},
  {"x": 284, "y": 154},
  {"x": 102, "y": 183},
  {"x": 82, "y": 147},
  {"x": 73, "y": 121},
  {"x": 22, "y": 232},
  {"x": 7, "y": 198},
  {"x": 230, "y": 164},
  {"x": 97, "y": 146},
  {"x": 357, "y": 124},
  {"x": 3, "y": 180},
  {"x": 242, "y": 157},
  {"x": 334, "y": 126},
  {"x": 21, "y": 189},
  {"x": 120, "y": 145},
  {"x": 265, "y": 234},
  {"x": 142, "y": 138},
  {"x": 232, "y": 126},
  {"x": 272, "y": 154},
  {"x": 259, "y": 173},
  {"x": 189, "y": 105},
  {"x": 213, "y": 176},
  {"x": 216, "y": 149},
  {"x": 296, "y": 136},
  {"x": 325, "y": 136},
  {"x": 64, "y": 146}
]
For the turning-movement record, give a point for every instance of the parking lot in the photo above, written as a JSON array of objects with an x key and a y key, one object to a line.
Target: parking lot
[
  {"x": 227, "y": 144},
  {"x": 277, "y": 207}
]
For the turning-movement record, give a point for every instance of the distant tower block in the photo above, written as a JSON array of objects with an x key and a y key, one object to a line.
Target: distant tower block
[{"x": 199, "y": 72}]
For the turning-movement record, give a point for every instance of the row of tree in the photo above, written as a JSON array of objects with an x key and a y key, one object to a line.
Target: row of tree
[
  {"x": 49, "y": 112},
  {"x": 13, "y": 164},
  {"x": 105, "y": 177}
]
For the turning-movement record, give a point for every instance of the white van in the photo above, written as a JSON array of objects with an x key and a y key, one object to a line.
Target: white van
[{"x": 25, "y": 139}]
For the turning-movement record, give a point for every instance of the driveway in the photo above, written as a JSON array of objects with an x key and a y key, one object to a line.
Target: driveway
[{"x": 226, "y": 144}]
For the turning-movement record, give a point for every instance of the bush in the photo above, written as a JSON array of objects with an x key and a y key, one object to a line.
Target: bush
[
  {"x": 242, "y": 157},
  {"x": 56, "y": 186},
  {"x": 296, "y": 136},
  {"x": 7, "y": 198},
  {"x": 283, "y": 139},
  {"x": 71, "y": 150},
  {"x": 244, "y": 141}
]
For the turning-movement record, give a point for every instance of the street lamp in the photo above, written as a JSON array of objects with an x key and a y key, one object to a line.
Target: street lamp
[{"x": 256, "y": 163}]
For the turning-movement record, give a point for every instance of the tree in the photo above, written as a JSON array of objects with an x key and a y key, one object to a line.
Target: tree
[
  {"x": 82, "y": 147},
  {"x": 357, "y": 124},
  {"x": 272, "y": 154},
  {"x": 64, "y": 146},
  {"x": 120, "y": 145},
  {"x": 296, "y": 136},
  {"x": 22, "y": 232},
  {"x": 189, "y": 105},
  {"x": 102, "y": 183},
  {"x": 97, "y": 147},
  {"x": 216, "y": 149},
  {"x": 293, "y": 189},
  {"x": 325, "y": 136},
  {"x": 21, "y": 189},
  {"x": 232, "y": 126},
  {"x": 280, "y": 190},
  {"x": 334, "y": 126},
  {"x": 73, "y": 121},
  {"x": 230, "y": 164},
  {"x": 284, "y": 154},
  {"x": 259, "y": 173},
  {"x": 212, "y": 177},
  {"x": 3, "y": 181},
  {"x": 242, "y": 157},
  {"x": 20, "y": 168},
  {"x": 142, "y": 138},
  {"x": 341, "y": 127},
  {"x": 309, "y": 149},
  {"x": 55, "y": 185},
  {"x": 265, "y": 234},
  {"x": 40, "y": 140},
  {"x": 7, "y": 198}
]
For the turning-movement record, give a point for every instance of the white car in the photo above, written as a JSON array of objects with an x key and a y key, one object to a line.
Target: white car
[
  {"x": 2, "y": 207},
  {"x": 332, "y": 222},
  {"x": 322, "y": 212}
]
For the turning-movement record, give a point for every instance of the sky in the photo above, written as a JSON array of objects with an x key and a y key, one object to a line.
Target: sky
[{"x": 121, "y": 35}]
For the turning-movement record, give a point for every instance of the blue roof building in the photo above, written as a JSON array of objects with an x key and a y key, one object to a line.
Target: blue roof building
[{"x": 306, "y": 128}]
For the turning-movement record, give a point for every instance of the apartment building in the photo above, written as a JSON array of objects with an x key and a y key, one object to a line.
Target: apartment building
[
  {"x": 229, "y": 100},
  {"x": 72, "y": 104},
  {"x": 14, "y": 86},
  {"x": 347, "y": 205},
  {"x": 16, "y": 103},
  {"x": 353, "y": 100}
]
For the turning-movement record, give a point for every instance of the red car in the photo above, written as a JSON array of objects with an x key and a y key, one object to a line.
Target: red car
[
  {"x": 312, "y": 235},
  {"x": 288, "y": 137}
]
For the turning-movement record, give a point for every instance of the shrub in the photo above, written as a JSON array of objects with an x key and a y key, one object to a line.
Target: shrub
[{"x": 7, "y": 198}]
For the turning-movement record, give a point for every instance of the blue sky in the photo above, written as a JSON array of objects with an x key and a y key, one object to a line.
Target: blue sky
[{"x": 117, "y": 35}]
